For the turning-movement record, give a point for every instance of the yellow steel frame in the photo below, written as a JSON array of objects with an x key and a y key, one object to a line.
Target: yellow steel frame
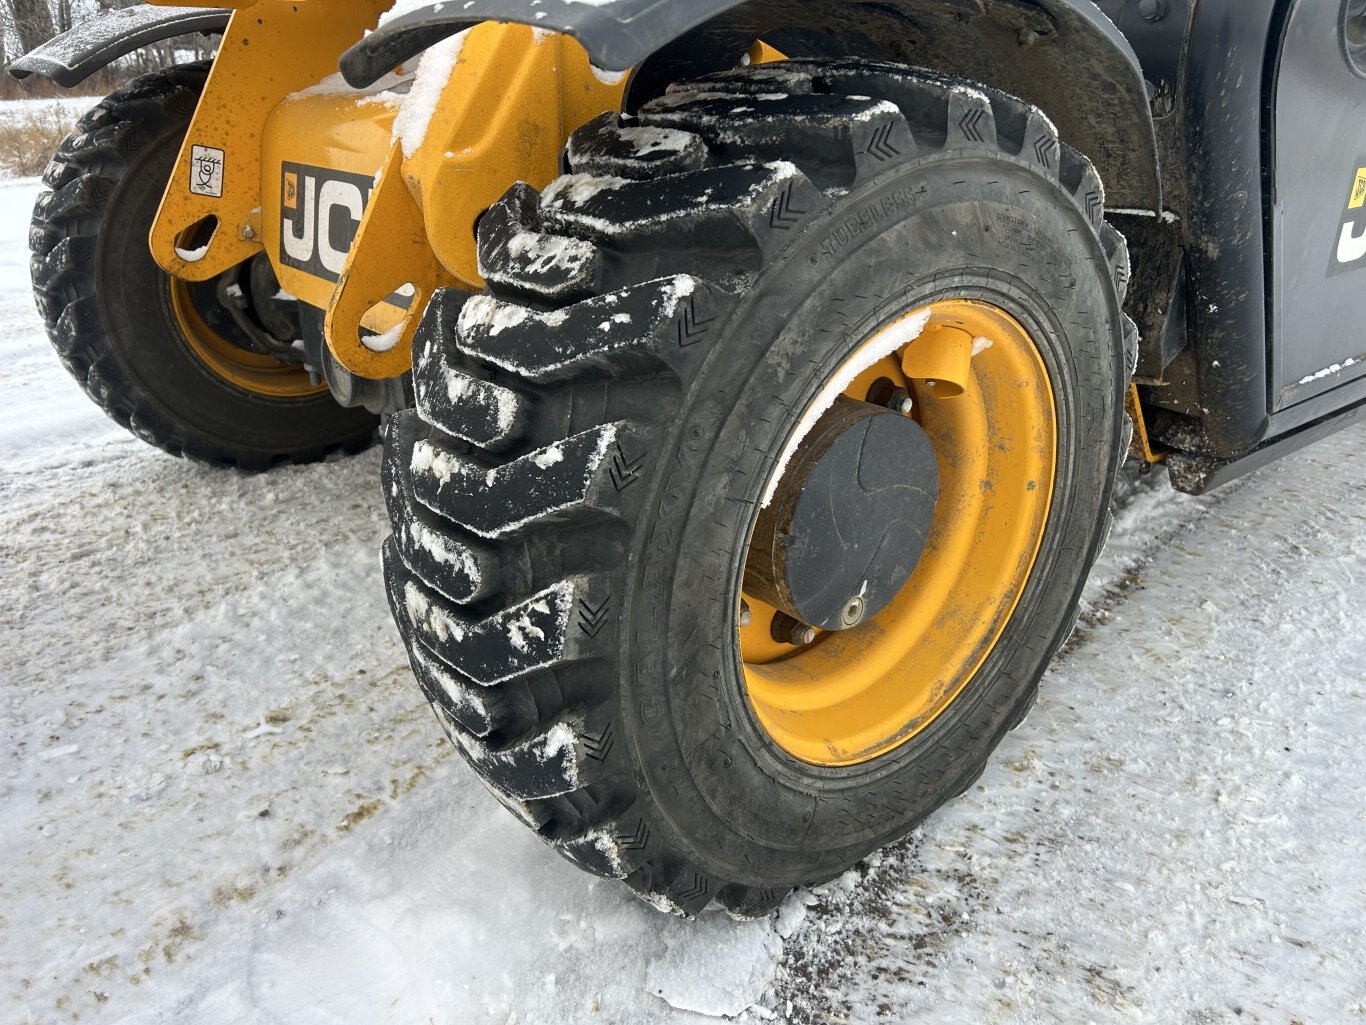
[
  {"x": 271, "y": 48},
  {"x": 1142, "y": 446},
  {"x": 507, "y": 98},
  {"x": 506, "y": 107},
  {"x": 336, "y": 131}
]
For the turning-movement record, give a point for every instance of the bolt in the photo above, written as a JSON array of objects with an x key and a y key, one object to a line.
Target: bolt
[
  {"x": 901, "y": 402},
  {"x": 786, "y": 630},
  {"x": 746, "y": 617},
  {"x": 248, "y": 232},
  {"x": 853, "y": 611},
  {"x": 1152, "y": 10}
]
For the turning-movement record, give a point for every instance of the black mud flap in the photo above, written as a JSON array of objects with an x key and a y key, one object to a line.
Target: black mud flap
[
  {"x": 75, "y": 55},
  {"x": 1086, "y": 72},
  {"x": 616, "y": 35}
]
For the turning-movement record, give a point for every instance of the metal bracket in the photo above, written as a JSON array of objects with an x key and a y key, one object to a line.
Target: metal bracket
[
  {"x": 510, "y": 98},
  {"x": 209, "y": 215}
]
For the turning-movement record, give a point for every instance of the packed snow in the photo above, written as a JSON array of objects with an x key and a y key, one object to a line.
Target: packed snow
[
  {"x": 225, "y": 801},
  {"x": 1327, "y": 371},
  {"x": 417, "y": 108}
]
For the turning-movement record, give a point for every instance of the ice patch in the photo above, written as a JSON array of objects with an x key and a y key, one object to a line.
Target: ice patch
[
  {"x": 428, "y": 459},
  {"x": 544, "y": 252},
  {"x": 376, "y": 92},
  {"x": 521, "y": 628},
  {"x": 715, "y": 968},
  {"x": 646, "y": 140},
  {"x": 461, "y": 388},
  {"x": 606, "y": 77},
  {"x": 981, "y": 97},
  {"x": 1166, "y": 215},
  {"x": 558, "y": 740},
  {"x": 578, "y": 189},
  {"x": 606, "y": 844},
  {"x": 444, "y": 551}
]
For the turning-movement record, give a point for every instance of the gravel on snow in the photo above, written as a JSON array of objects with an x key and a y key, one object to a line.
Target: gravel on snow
[{"x": 224, "y": 800}]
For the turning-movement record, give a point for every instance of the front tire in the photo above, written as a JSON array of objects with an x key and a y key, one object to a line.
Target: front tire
[{"x": 575, "y": 496}]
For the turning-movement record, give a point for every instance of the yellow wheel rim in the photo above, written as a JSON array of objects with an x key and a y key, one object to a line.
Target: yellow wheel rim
[
  {"x": 251, "y": 371},
  {"x": 852, "y": 695}
]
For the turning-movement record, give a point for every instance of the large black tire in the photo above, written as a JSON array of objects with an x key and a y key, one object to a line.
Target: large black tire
[
  {"x": 108, "y": 308},
  {"x": 573, "y": 494}
]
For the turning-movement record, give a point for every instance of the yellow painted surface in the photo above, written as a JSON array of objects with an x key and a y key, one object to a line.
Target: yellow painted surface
[
  {"x": 250, "y": 371},
  {"x": 504, "y": 114},
  {"x": 269, "y": 158},
  {"x": 271, "y": 48},
  {"x": 855, "y": 694},
  {"x": 1135, "y": 409},
  {"x": 327, "y": 132}
]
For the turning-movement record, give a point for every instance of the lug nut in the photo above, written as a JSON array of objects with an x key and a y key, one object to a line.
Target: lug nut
[
  {"x": 853, "y": 611},
  {"x": 786, "y": 630},
  {"x": 883, "y": 392},
  {"x": 1152, "y": 10},
  {"x": 746, "y": 617}
]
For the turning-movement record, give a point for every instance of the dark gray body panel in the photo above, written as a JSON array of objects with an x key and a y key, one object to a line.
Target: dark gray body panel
[
  {"x": 1248, "y": 118},
  {"x": 74, "y": 56},
  {"x": 1319, "y": 265}
]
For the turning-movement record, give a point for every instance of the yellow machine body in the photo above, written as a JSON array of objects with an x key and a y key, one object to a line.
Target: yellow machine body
[{"x": 365, "y": 202}]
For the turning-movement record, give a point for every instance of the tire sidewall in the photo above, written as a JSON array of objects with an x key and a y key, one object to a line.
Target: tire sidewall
[{"x": 951, "y": 226}]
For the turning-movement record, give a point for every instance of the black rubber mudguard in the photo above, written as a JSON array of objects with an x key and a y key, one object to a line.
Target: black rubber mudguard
[
  {"x": 75, "y": 55},
  {"x": 1084, "y": 72},
  {"x": 617, "y": 34}
]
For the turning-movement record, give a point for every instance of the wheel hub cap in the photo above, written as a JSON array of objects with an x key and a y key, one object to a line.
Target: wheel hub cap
[{"x": 849, "y": 519}]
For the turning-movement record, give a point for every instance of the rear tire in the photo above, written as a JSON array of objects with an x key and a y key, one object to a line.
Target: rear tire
[
  {"x": 573, "y": 496},
  {"x": 125, "y": 329}
]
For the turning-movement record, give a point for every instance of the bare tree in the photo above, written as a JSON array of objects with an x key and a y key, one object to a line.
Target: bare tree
[{"x": 31, "y": 21}]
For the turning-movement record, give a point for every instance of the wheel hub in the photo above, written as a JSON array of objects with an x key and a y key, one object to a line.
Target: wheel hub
[
  {"x": 849, "y": 519},
  {"x": 861, "y": 680}
]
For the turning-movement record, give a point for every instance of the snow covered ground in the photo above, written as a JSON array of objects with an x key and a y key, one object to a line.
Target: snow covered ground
[
  {"x": 70, "y": 107},
  {"x": 223, "y": 800}
]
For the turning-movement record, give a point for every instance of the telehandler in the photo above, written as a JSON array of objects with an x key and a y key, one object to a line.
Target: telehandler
[{"x": 752, "y": 374}]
